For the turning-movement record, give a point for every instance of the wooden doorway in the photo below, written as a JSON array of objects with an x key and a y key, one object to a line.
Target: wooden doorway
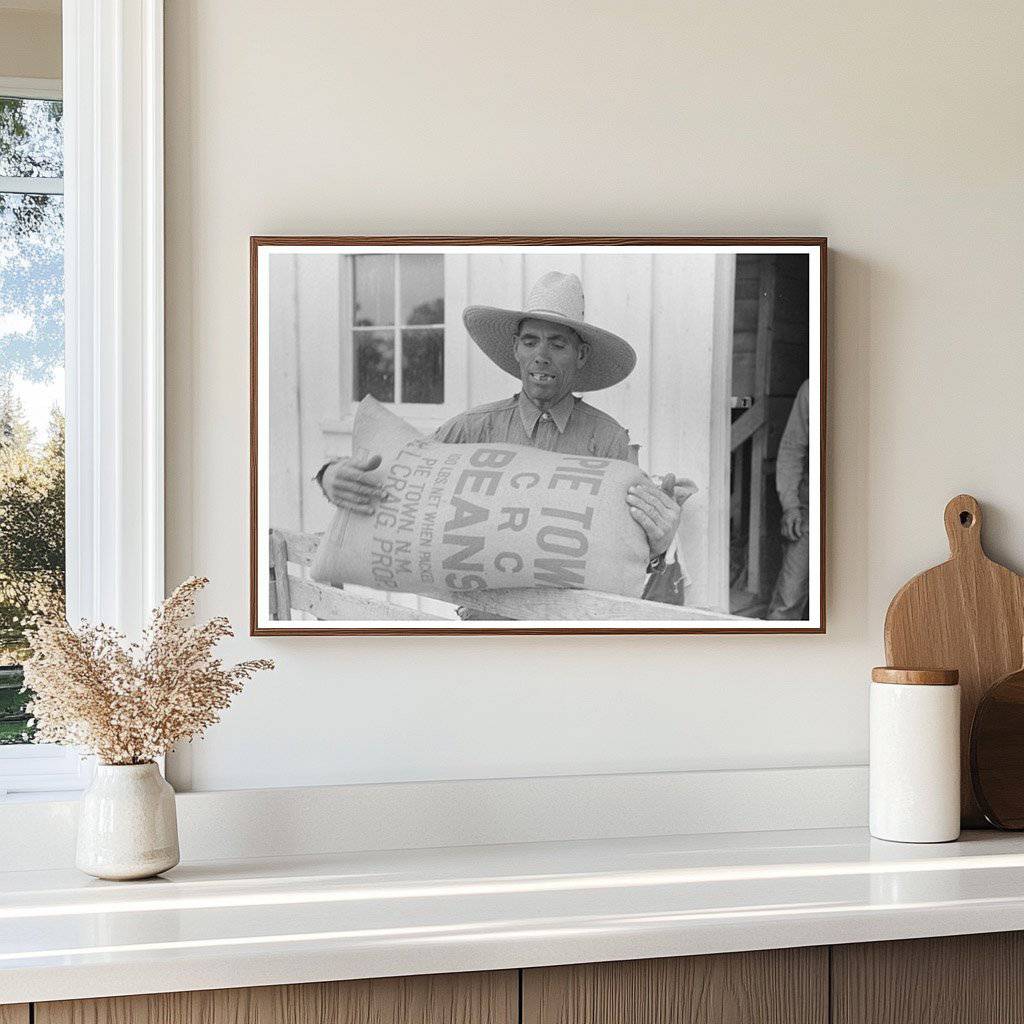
[{"x": 769, "y": 363}]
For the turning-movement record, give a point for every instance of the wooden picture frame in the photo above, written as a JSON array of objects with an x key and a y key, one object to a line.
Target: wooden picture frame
[{"x": 744, "y": 311}]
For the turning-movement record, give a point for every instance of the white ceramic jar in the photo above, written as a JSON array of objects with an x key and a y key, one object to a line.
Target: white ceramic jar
[
  {"x": 915, "y": 755},
  {"x": 127, "y": 824}
]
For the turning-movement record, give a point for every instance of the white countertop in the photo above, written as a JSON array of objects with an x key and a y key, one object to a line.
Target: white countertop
[{"x": 222, "y": 924}]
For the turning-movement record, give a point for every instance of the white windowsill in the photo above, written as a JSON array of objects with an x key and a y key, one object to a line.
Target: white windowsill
[{"x": 42, "y": 771}]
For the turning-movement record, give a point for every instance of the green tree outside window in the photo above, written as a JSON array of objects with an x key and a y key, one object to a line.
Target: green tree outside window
[{"x": 31, "y": 352}]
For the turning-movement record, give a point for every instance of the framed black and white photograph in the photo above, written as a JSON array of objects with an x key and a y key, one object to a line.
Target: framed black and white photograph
[{"x": 537, "y": 435}]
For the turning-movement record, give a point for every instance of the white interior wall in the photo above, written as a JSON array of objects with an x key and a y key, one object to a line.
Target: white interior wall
[
  {"x": 895, "y": 129},
  {"x": 30, "y": 45}
]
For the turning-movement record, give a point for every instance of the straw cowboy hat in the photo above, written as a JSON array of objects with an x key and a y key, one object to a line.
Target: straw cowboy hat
[{"x": 557, "y": 298}]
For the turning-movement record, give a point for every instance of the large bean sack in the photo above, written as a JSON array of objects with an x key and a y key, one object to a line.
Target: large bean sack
[{"x": 463, "y": 517}]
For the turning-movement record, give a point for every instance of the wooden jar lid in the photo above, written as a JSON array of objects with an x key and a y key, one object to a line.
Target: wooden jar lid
[{"x": 916, "y": 676}]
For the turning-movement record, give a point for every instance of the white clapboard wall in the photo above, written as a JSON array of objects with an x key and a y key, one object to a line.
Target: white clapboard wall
[{"x": 674, "y": 309}]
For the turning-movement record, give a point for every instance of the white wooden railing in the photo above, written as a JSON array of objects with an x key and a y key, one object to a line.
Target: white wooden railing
[{"x": 290, "y": 591}]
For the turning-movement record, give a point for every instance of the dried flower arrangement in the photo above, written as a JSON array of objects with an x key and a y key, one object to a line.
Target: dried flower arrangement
[{"x": 130, "y": 703}]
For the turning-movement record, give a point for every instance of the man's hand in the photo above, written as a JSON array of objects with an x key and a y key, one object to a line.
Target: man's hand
[
  {"x": 682, "y": 489},
  {"x": 657, "y": 510},
  {"x": 794, "y": 523},
  {"x": 348, "y": 484}
]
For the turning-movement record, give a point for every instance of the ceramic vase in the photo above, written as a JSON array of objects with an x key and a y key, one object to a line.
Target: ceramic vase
[{"x": 127, "y": 825}]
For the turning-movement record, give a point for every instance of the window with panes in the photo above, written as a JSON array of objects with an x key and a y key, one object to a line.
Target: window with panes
[
  {"x": 31, "y": 386},
  {"x": 398, "y": 328}
]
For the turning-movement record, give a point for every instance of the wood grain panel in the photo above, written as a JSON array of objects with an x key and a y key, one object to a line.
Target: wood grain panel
[
  {"x": 494, "y": 280},
  {"x": 285, "y": 460},
  {"x": 965, "y": 614},
  {"x": 339, "y": 605},
  {"x": 318, "y": 302},
  {"x": 477, "y": 998},
  {"x": 618, "y": 296},
  {"x": 961, "y": 979},
  {"x": 683, "y": 406},
  {"x": 780, "y": 986},
  {"x": 14, "y": 1013}
]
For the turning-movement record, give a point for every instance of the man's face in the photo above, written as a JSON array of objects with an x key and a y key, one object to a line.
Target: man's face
[{"x": 550, "y": 357}]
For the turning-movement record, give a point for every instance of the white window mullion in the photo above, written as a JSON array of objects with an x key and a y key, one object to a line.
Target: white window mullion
[
  {"x": 113, "y": 101},
  {"x": 32, "y": 186}
]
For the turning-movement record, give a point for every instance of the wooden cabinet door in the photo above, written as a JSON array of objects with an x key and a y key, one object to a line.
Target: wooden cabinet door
[
  {"x": 14, "y": 1013},
  {"x": 961, "y": 979},
  {"x": 778, "y": 986},
  {"x": 478, "y": 998}
]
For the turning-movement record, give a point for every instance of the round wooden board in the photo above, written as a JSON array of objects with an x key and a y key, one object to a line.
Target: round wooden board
[{"x": 997, "y": 753}]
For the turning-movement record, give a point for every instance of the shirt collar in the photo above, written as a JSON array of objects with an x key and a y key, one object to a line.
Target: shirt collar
[{"x": 529, "y": 413}]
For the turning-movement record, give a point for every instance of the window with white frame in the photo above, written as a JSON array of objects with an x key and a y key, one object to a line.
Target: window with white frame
[
  {"x": 398, "y": 328},
  {"x": 31, "y": 378},
  {"x": 112, "y": 308},
  {"x": 32, "y": 512}
]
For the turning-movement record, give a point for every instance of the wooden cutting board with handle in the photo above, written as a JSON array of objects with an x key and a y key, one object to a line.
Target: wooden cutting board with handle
[{"x": 967, "y": 614}]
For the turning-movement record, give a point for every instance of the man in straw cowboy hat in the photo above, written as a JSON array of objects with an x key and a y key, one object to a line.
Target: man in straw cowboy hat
[{"x": 552, "y": 351}]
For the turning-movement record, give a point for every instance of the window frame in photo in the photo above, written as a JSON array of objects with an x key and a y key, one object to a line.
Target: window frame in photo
[{"x": 397, "y": 329}]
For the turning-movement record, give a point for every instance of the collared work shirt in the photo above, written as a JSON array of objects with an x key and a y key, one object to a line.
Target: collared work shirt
[{"x": 572, "y": 427}]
